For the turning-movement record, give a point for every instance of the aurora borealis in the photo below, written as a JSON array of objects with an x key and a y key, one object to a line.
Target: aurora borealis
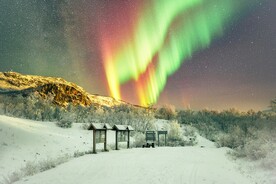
[
  {"x": 198, "y": 22},
  {"x": 212, "y": 54}
]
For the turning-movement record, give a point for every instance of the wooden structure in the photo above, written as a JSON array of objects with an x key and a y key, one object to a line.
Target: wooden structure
[
  {"x": 162, "y": 132},
  {"x": 122, "y": 129},
  {"x": 99, "y": 129},
  {"x": 150, "y": 136},
  {"x": 129, "y": 129},
  {"x": 150, "y": 139}
]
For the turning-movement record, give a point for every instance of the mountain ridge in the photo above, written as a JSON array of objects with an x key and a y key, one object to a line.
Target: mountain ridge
[{"x": 62, "y": 91}]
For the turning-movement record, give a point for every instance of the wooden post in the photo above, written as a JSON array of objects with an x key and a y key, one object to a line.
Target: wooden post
[
  {"x": 105, "y": 140},
  {"x": 128, "y": 138},
  {"x": 94, "y": 141},
  {"x": 165, "y": 139},
  {"x": 116, "y": 140},
  {"x": 158, "y": 139}
]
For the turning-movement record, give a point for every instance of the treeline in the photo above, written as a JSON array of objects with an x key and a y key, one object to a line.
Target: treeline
[
  {"x": 29, "y": 106},
  {"x": 35, "y": 107},
  {"x": 250, "y": 134},
  {"x": 210, "y": 123}
]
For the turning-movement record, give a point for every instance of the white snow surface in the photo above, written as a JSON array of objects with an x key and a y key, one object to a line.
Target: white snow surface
[{"x": 25, "y": 140}]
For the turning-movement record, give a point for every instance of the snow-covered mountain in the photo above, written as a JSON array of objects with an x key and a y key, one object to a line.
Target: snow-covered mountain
[{"x": 62, "y": 91}]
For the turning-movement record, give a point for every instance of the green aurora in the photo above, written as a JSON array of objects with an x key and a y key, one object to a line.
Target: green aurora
[{"x": 170, "y": 31}]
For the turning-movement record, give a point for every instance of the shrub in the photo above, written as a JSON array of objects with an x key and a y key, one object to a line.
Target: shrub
[
  {"x": 256, "y": 149},
  {"x": 175, "y": 132},
  {"x": 189, "y": 134},
  {"x": 176, "y": 135},
  {"x": 78, "y": 154},
  {"x": 166, "y": 112},
  {"x": 12, "y": 178},
  {"x": 50, "y": 163},
  {"x": 64, "y": 123},
  {"x": 139, "y": 139},
  {"x": 47, "y": 164},
  {"x": 30, "y": 169},
  {"x": 261, "y": 145},
  {"x": 234, "y": 139},
  {"x": 176, "y": 143},
  {"x": 89, "y": 152}
]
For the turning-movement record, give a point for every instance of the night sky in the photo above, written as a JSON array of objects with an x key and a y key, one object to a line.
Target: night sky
[{"x": 64, "y": 38}]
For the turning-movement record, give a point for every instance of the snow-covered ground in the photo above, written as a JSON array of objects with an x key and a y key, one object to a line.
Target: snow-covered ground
[
  {"x": 155, "y": 166},
  {"x": 24, "y": 140}
]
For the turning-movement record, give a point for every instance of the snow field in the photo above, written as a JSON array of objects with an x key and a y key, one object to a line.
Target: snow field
[{"x": 23, "y": 141}]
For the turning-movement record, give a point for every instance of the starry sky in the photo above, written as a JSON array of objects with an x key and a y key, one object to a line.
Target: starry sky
[{"x": 64, "y": 38}]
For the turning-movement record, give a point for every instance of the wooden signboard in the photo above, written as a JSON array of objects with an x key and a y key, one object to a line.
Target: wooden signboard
[
  {"x": 162, "y": 132},
  {"x": 150, "y": 136}
]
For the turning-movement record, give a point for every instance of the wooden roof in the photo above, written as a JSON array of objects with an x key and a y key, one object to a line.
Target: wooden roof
[
  {"x": 119, "y": 127},
  {"x": 99, "y": 126},
  {"x": 130, "y": 128},
  {"x": 107, "y": 126},
  {"x": 123, "y": 128}
]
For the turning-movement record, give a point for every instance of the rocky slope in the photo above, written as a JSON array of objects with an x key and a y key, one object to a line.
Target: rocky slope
[{"x": 62, "y": 91}]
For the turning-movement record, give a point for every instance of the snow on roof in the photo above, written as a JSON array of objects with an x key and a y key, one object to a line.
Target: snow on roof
[
  {"x": 130, "y": 128},
  {"x": 99, "y": 126},
  {"x": 119, "y": 127},
  {"x": 107, "y": 126}
]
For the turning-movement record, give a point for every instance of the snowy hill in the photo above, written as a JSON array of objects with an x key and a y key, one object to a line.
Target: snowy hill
[
  {"x": 23, "y": 141},
  {"x": 62, "y": 91}
]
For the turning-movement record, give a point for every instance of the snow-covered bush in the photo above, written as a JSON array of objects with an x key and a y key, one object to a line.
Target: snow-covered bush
[
  {"x": 12, "y": 178},
  {"x": 175, "y": 131},
  {"x": 31, "y": 107},
  {"x": 30, "y": 169},
  {"x": 66, "y": 120},
  {"x": 175, "y": 134},
  {"x": 208, "y": 130},
  {"x": 48, "y": 164},
  {"x": 64, "y": 123},
  {"x": 234, "y": 139},
  {"x": 260, "y": 145},
  {"x": 189, "y": 131},
  {"x": 189, "y": 134},
  {"x": 166, "y": 112},
  {"x": 139, "y": 118},
  {"x": 139, "y": 139},
  {"x": 257, "y": 149},
  {"x": 82, "y": 153}
]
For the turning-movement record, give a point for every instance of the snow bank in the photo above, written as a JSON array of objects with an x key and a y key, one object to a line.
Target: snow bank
[{"x": 23, "y": 140}]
